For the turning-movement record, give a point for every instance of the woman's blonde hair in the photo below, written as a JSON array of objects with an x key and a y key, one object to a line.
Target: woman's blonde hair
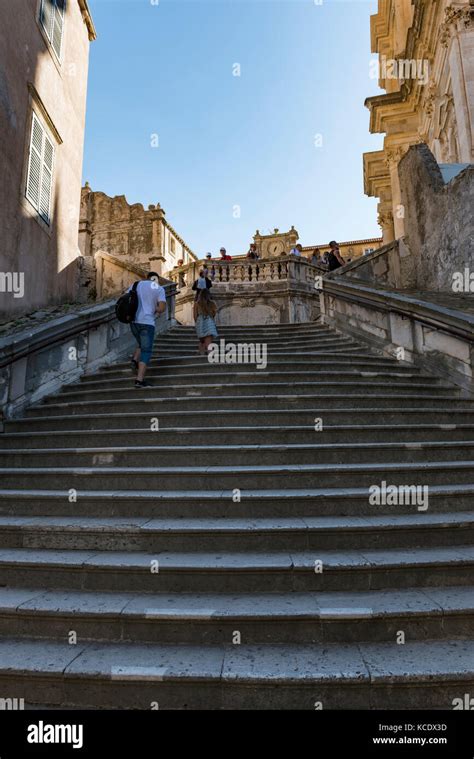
[{"x": 205, "y": 305}]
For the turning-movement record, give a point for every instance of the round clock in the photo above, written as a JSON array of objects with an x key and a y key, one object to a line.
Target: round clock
[{"x": 276, "y": 248}]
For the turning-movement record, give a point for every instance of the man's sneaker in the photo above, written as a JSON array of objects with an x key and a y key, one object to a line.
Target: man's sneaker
[{"x": 142, "y": 384}]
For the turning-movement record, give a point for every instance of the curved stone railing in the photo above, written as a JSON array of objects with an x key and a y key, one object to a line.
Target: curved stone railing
[
  {"x": 275, "y": 290},
  {"x": 439, "y": 339},
  {"x": 247, "y": 271},
  {"x": 37, "y": 361}
]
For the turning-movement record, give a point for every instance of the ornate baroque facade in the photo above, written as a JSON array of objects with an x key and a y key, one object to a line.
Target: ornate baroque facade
[
  {"x": 426, "y": 67},
  {"x": 280, "y": 243}
]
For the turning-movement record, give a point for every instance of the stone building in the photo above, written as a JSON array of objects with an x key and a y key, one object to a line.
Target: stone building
[
  {"x": 280, "y": 243},
  {"x": 128, "y": 233},
  {"x": 426, "y": 67},
  {"x": 44, "y": 57}
]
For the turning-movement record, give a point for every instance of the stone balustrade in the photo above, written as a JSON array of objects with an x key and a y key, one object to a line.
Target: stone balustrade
[{"x": 276, "y": 290}]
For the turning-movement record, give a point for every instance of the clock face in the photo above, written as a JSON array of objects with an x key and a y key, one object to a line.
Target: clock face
[{"x": 276, "y": 248}]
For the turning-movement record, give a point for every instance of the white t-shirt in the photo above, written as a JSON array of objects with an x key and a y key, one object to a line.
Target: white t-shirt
[
  {"x": 150, "y": 293},
  {"x": 295, "y": 252}
]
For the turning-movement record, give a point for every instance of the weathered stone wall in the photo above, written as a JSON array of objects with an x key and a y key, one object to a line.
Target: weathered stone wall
[
  {"x": 33, "y": 79},
  {"x": 142, "y": 237},
  {"x": 439, "y": 219}
]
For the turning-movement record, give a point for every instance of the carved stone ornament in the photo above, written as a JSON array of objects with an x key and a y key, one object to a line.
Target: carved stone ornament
[{"x": 453, "y": 15}]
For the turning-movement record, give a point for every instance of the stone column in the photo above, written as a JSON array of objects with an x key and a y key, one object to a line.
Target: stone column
[
  {"x": 459, "y": 36},
  {"x": 393, "y": 158},
  {"x": 156, "y": 258},
  {"x": 385, "y": 221}
]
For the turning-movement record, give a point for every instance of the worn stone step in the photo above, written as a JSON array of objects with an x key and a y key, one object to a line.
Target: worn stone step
[
  {"x": 240, "y": 455},
  {"x": 215, "y": 436},
  {"x": 270, "y": 417},
  {"x": 189, "y": 347},
  {"x": 216, "y": 374},
  {"x": 332, "y": 357},
  {"x": 321, "y": 404},
  {"x": 352, "y": 570},
  {"x": 133, "y": 533},
  {"x": 200, "y": 365},
  {"x": 313, "y": 388},
  {"x": 268, "y": 618},
  {"x": 316, "y": 335},
  {"x": 268, "y": 503},
  {"x": 280, "y": 351},
  {"x": 418, "y": 675},
  {"x": 268, "y": 329},
  {"x": 240, "y": 478}
]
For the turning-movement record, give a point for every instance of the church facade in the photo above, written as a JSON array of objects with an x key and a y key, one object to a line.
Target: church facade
[{"x": 426, "y": 67}]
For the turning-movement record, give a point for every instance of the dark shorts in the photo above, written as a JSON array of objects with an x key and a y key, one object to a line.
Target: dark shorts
[{"x": 144, "y": 334}]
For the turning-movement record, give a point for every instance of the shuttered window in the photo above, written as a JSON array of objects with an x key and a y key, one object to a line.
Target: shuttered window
[
  {"x": 52, "y": 21},
  {"x": 39, "y": 181}
]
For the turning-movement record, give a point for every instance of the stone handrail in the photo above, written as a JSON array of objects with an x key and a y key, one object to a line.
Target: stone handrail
[
  {"x": 38, "y": 361},
  {"x": 436, "y": 338}
]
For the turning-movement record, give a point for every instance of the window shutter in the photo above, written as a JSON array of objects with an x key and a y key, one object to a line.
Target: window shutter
[
  {"x": 39, "y": 182},
  {"x": 58, "y": 25},
  {"x": 47, "y": 16},
  {"x": 34, "y": 165},
  {"x": 52, "y": 20},
  {"x": 46, "y": 180}
]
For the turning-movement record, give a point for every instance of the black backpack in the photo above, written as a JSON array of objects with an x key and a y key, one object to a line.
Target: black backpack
[{"x": 127, "y": 306}]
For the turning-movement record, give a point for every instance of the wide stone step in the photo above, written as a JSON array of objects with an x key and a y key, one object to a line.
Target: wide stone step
[
  {"x": 418, "y": 675},
  {"x": 284, "y": 360},
  {"x": 104, "y": 391},
  {"x": 217, "y": 504},
  {"x": 226, "y": 418},
  {"x": 265, "y": 618},
  {"x": 311, "y": 570},
  {"x": 258, "y": 333},
  {"x": 321, "y": 404},
  {"x": 291, "y": 344},
  {"x": 261, "y": 337},
  {"x": 311, "y": 364},
  {"x": 241, "y": 455},
  {"x": 280, "y": 351},
  {"x": 247, "y": 374},
  {"x": 240, "y": 436},
  {"x": 239, "y": 478},
  {"x": 132, "y": 533}
]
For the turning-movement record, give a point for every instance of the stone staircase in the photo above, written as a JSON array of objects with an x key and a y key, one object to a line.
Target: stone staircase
[{"x": 231, "y": 559}]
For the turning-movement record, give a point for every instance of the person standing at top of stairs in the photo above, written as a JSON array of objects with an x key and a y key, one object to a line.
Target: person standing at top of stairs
[
  {"x": 334, "y": 258},
  {"x": 151, "y": 301}
]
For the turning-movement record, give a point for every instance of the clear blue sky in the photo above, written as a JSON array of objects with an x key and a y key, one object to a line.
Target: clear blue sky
[{"x": 227, "y": 141}]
